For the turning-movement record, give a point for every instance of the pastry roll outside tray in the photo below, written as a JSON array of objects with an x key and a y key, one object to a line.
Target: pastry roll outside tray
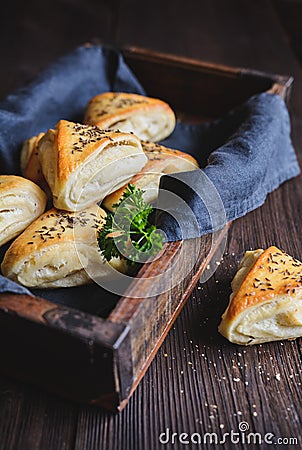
[
  {"x": 21, "y": 202},
  {"x": 148, "y": 118},
  {"x": 82, "y": 164},
  {"x": 161, "y": 160},
  {"x": 266, "y": 302},
  {"x": 59, "y": 249}
]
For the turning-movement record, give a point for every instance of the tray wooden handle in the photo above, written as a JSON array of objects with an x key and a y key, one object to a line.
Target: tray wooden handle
[{"x": 26, "y": 306}]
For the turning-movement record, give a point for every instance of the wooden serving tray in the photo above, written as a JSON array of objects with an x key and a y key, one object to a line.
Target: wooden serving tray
[{"x": 97, "y": 360}]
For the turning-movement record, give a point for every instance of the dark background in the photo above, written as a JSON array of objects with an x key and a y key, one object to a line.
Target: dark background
[
  {"x": 34, "y": 33},
  {"x": 191, "y": 384}
]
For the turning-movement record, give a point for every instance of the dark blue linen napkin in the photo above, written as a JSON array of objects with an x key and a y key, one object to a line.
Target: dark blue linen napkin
[
  {"x": 244, "y": 155},
  {"x": 61, "y": 92},
  {"x": 9, "y": 286}
]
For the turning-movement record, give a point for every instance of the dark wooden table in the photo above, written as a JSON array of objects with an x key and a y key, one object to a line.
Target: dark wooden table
[{"x": 198, "y": 382}]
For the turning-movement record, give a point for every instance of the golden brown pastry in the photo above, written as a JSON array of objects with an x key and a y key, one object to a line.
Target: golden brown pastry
[
  {"x": 30, "y": 162},
  {"x": 29, "y": 147},
  {"x": 161, "y": 160},
  {"x": 21, "y": 202},
  {"x": 266, "y": 302},
  {"x": 82, "y": 163},
  {"x": 58, "y": 249},
  {"x": 26, "y": 151},
  {"x": 148, "y": 118}
]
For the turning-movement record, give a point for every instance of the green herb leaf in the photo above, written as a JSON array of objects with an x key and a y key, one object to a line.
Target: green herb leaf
[{"x": 127, "y": 232}]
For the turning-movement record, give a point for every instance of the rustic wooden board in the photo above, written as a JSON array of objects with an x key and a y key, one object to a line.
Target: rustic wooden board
[{"x": 173, "y": 393}]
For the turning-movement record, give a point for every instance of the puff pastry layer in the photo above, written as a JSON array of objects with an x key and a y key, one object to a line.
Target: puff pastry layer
[
  {"x": 82, "y": 163},
  {"x": 148, "y": 118},
  {"x": 161, "y": 160},
  {"x": 21, "y": 202},
  {"x": 266, "y": 302},
  {"x": 58, "y": 249}
]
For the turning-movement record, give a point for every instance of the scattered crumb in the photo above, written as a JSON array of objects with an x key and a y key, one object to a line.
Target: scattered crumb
[
  {"x": 236, "y": 379},
  {"x": 278, "y": 376},
  {"x": 255, "y": 414}
]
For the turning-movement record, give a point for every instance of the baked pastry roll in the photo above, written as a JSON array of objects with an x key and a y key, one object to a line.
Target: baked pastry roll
[
  {"x": 58, "y": 250},
  {"x": 161, "y": 160},
  {"x": 29, "y": 149},
  {"x": 26, "y": 151},
  {"x": 266, "y": 302},
  {"x": 21, "y": 202},
  {"x": 148, "y": 118},
  {"x": 30, "y": 162},
  {"x": 82, "y": 163}
]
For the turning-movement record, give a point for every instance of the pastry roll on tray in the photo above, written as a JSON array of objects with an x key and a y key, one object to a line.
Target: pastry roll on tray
[
  {"x": 30, "y": 163},
  {"x": 82, "y": 163},
  {"x": 266, "y": 302},
  {"x": 148, "y": 118},
  {"x": 21, "y": 202},
  {"x": 26, "y": 151},
  {"x": 161, "y": 160},
  {"x": 58, "y": 249}
]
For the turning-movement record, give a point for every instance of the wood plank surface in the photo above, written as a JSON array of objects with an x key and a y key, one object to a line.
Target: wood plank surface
[{"x": 198, "y": 382}]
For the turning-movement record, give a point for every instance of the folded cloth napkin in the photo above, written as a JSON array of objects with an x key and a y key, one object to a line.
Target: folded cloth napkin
[
  {"x": 244, "y": 155},
  {"x": 9, "y": 286},
  {"x": 61, "y": 92}
]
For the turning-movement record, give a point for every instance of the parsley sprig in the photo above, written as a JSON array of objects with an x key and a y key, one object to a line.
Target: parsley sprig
[{"x": 127, "y": 233}]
